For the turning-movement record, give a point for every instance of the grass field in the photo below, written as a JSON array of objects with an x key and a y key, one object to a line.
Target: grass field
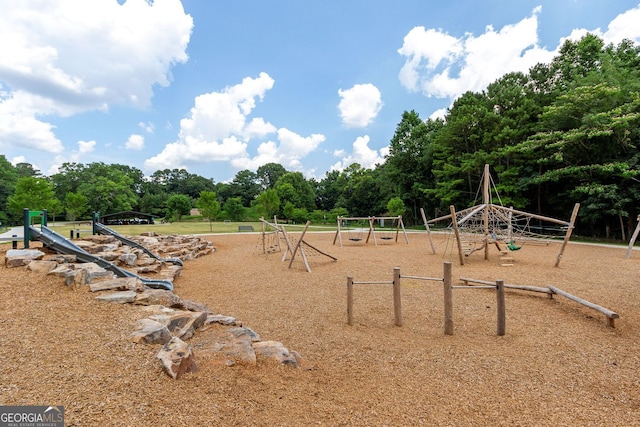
[{"x": 191, "y": 227}]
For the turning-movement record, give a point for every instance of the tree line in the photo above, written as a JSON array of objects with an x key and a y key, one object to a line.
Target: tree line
[{"x": 565, "y": 132}]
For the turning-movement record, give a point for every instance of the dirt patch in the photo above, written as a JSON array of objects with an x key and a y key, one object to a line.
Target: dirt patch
[{"x": 558, "y": 364}]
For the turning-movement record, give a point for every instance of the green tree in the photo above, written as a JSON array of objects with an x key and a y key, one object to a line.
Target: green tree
[
  {"x": 76, "y": 205},
  {"x": 408, "y": 165},
  {"x": 269, "y": 174},
  {"x": 268, "y": 203},
  {"x": 396, "y": 207},
  {"x": 245, "y": 185},
  {"x": 209, "y": 206},
  {"x": 179, "y": 205},
  {"x": 8, "y": 180},
  {"x": 289, "y": 210},
  {"x": 180, "y": 181},
  {"x": 293, "y": 187},
  {"x": 34, "y": 194},
  {"x": 233, "y": 209}
]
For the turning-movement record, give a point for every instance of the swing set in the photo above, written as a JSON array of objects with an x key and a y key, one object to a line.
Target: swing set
[{"x": 364, "y": 229}]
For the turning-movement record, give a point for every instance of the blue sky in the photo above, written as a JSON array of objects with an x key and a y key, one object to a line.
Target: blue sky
[{"x": 217, "y": 87}]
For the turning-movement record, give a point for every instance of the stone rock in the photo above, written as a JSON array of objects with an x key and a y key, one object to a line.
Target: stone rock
[
  {"x": 171, "y": 271},
  {"x": 88, "y": 246},
  {"x": 145, "y": 261},
  {"x": 275, "y": 350},
  {"x": 157, "y": 309},
  {"x": 181, "y": 324},
  {"x": 128, "y": 259},
  {"x": 76, "y": 278},
  {"x": 153, "y": 268},
  {"x": 61, "y": 258},
  {"x": 94, "y": 271},
  {"x": 194, "y": 306},
  {"x": 232, "y": 344},
  {"x": 109, "y": 256},
  {"x": 151, "y": 332},
  {"x": 123, "y": 297},
  {"x": 118, "y": 284},
  {"x": 63, "y": 270},
  {"x": 223, "y": 320},
  {"x": 147, "y": 240},
  {"x": 21, "y": 257},
  {"x": 177, "y": 358},
  {"x": 158, "y": 297},
  {"x": 42, "y": 266}
]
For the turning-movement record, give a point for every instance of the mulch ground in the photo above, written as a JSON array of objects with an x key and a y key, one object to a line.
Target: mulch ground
[{"x": 558, "y": 364}]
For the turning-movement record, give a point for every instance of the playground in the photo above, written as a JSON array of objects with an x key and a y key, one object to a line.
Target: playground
[{"x": 558, "y": 363}]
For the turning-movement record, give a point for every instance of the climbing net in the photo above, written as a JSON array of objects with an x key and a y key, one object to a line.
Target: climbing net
[{"x": 506, "y": 224}]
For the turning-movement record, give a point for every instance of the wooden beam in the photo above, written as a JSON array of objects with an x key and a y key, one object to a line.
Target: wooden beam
[
  {"x": 633, "y": 238},
  {"x": 457, "y": 232},
  {"x": 426, "y": 225},
  {"x": 567, "y": 236},
  {"x": 611, "y": 315}
]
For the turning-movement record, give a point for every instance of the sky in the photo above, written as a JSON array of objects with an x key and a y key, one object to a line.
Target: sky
[{"x": 218, "y": 87}]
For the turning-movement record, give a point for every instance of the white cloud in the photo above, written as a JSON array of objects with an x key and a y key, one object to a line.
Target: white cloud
[
  {"x": 442, "y": 66},
  {"x": 439, "y": 114},
  {"x": 135, "y": 142},
  {"x": 361, "y": 154},
  {"x": 288, "y": 153},
  {"x": 623, "y": 26},
  {"x": 359, "y": 105},
  {"x": 65, "y": 57},
  {"x": 217, "y": 130},
  {"x": 18, "y": 159},
  {"x": 19, "y": 126},
  {"x": 85, "y": 147},
  {"x": 147, "y": 127}
]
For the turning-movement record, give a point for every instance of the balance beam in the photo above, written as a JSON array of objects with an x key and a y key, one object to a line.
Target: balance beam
[
  {"x": 547, "y": 291},
  {"x": 611, "y": 315}
]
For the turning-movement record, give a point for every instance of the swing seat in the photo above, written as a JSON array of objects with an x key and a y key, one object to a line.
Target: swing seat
[
  {"x": 512, "y": 246},
  {"x": 355, "y": 239},
  {"x": 387, "y": 238}
]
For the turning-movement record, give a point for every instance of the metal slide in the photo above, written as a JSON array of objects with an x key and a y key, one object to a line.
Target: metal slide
[
  {"x": 103, "y": 229},
  {"x": 62, "y": 245}
]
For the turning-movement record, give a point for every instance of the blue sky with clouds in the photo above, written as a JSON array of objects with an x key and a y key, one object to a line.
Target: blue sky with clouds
[{"x": 217, "y": 87}]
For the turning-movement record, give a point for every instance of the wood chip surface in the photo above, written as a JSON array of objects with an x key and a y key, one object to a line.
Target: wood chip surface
[{"x": 559, "y": 364}]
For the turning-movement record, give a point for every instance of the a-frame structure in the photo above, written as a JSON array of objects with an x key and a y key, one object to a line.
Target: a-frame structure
[
  {"x": 271, "y": 243},
  {"x": 487, "y": 224}
]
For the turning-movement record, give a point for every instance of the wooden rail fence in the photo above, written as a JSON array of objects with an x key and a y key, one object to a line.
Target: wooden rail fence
[{"x": 469, "y": 283}]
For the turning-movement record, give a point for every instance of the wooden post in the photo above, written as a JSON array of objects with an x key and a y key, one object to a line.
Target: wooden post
[
  {"x": 299, "y": 246},
  {"x": 448, "y": 300},
  {"x": 338, "y": 234},
  {"x": 371, "y": 232},
  {"x": 426, "y": 225},
  {"x": 457, "y": 232},
  {"x": 567, "y": 236},
  {"x": 264, "y": 244},
  {"x": 634, "y": 236},
  {"x": 349, "y": 300},
  {"x": 275, "y": 223},
  {"x": 501, "y": 323},
  {"x": 397, "y": 300},
  {"x": 404, "y": 232}
]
